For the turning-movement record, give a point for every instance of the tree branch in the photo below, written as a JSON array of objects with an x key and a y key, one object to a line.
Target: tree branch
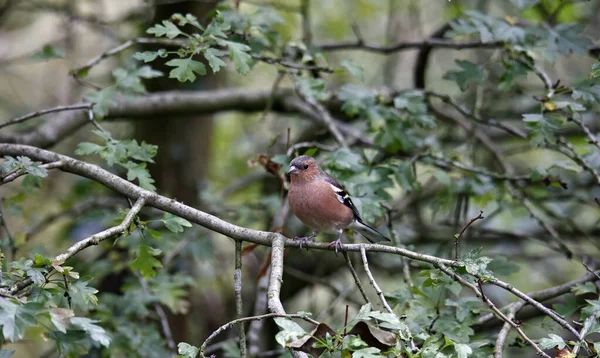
[
  {"x": 275, "y": 280},
  {"x": 363, "y": 255},
  {"x": 407, "y": 45}
]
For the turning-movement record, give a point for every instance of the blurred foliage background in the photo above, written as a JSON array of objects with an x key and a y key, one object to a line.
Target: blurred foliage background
[{"x": 415, "y": 164}]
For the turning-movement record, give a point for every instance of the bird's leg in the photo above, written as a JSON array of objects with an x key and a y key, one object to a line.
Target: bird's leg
[
  {"x": 305, "y": 239},
  {"x": 337, "y": 243}
]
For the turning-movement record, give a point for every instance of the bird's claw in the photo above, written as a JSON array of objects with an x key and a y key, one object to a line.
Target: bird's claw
[
  {"x": 305, "y": 239},
  {"x": 338, "y": 245}
]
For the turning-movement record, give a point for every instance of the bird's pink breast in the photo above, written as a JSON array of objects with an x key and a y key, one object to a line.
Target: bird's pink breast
[{"x": 318, "y": 208}]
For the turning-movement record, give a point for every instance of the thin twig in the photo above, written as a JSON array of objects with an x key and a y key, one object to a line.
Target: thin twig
[
  {"x": 85, "y": 243},
  {"x": 490, "y": 122},
  {"x": 237, "y": 275},
  {"x": 325, "y": 116},
  {"x": 457, "y": 241},
  {"x": 12, "y": 176},
  {"x": 124, "y": 46},
  {"x": 492, "y": 306},
  {"x": 246, "y": 319},
  {"x": 407, "y": 45},
  {"x": 550, "y": 313},
  {"x": 75, "y": 107},
  {"x": 295, "y": 147},
  {"x": 591, "y": 137},
  {"x": 363, "y": 255},
  {"x": 356, "y": 278}
]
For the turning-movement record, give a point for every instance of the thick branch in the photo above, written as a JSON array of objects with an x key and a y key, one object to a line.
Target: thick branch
[
  {"x": 211, "y": 222},
  {"x": 275, "y": 280}
]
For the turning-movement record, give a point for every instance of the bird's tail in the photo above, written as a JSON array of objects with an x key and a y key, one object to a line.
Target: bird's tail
[{"x": 368, "y": 232}]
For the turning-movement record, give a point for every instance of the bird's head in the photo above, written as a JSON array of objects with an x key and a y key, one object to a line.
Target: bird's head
[{"x": 303, "y": 167}]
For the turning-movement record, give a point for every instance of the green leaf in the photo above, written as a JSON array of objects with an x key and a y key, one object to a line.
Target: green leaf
[
  {"x": 355, "y": 70},
  {"x": 462, "y": 350},
  {"x": 144, "y": 152},
  {"x": 588, "y": 94},
  {"x": 86, "y": 148},
  {"x": 139, "y": 172},
  {"x": 15, "y": 317},
  {"x": 369, "y": 352},
  {"x": 542, "y": 128},
  {"x": 568, "y": 40},
  {"x": 146, "y": 262},
  {"x": 59, "y": 317},
  {"x": 290, "y": 331},
  {"x": 567, "y": 307},
  {"x": 48, "y": 52},
  {"x": 103, "y": 101},
  {"x": 405, "y": 177},
  {"x": 470, "y": 73},
  {"x": 35, "y": 170},
  {"x": 147, "y": 56},
  {"x": 97, "y": 333},
  {"x": 175, "y": 223},
  {"x": 475, "y": 264},
  {"x": 34, "y": 273},
  {"x": 238, "y": 53},
  {"x": 167, "y": 29},
  {"x": 553, "y": 341},
  {"x": 82, "y": 295},
  {"x": 595, "y": 70},
  {"x": 217, "y": 27},
  {"x": 187, "y": 350},
  {"x": 583, "y": 288},
  {"x": 212, "y": 56},
  {"x": 502, "y": 266},
  {"x": 185, "y": 68},
  {"x": 312, "y": 88}
]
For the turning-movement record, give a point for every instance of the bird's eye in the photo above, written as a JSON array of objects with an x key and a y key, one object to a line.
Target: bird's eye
[{"x": 305, "y": 166}]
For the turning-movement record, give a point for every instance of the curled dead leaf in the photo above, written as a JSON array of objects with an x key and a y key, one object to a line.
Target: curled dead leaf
[
  {"x": 305, "y": 344},
  {"x": 373, "y": 336}
]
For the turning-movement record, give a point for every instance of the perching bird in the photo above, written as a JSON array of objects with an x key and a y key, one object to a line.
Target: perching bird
[{"x": 321, "y": 203}]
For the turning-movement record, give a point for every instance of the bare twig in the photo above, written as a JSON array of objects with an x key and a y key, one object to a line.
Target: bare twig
[
  {"x": 479, "y": 293},
  {"x": 325, "y": 116},
  {"x": 124, "y": 46},
  {"x": 237, "y": 275},
  {"x": 407, "y": 45},
  {"x": 548, "y": 312},
  {"x": 457, "y": 241},
  {"x": 363, "y": 255},
  {"x": 356, "y": 278},
  {"x": 246, "y": 319},
  {"x": 490, "y": 122},
  {"x": 295, "y": 147},
  {"x": 85, "y": 243},
  {"x": 591, "y": 137},
  {"x": 75, "y": 107}
]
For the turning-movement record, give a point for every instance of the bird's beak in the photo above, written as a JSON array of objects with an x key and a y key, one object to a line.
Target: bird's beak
[{"x": 293, "y": 170}]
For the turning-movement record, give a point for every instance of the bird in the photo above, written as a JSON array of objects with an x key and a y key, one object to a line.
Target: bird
[{"x": 322, "y": 204}]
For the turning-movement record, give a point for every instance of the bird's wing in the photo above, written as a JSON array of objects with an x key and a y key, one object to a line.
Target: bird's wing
[
  {"x": 342, "y": 196},
  {"x": 365, "y": 230}
]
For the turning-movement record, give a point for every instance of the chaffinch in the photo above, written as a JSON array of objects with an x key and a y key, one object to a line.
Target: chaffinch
[{"x": 321, "y": 203}]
